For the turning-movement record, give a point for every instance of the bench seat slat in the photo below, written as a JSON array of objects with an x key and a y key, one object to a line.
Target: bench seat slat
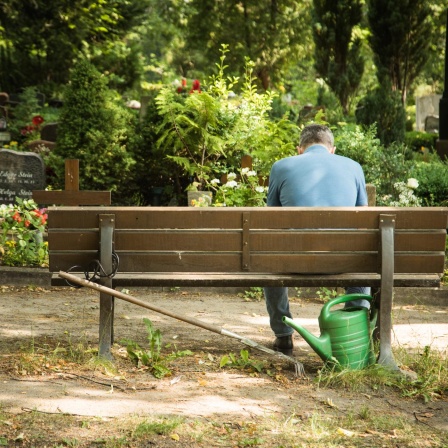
[
  {"x": 259, "y": 262},
  {"x": 201, "y": 279}
]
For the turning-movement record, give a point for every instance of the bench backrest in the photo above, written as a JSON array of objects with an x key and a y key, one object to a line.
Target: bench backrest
[{"x": 255, "y": 239}]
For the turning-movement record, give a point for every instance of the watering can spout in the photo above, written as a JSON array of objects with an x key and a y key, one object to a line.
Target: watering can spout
[{"x": 321, "y": 345}]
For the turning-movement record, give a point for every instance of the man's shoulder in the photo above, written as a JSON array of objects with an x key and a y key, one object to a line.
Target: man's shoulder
[{"x": 345, "y": 159}]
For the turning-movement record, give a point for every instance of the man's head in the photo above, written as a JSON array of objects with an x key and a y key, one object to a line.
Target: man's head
[{"x": 316, "y": 134}]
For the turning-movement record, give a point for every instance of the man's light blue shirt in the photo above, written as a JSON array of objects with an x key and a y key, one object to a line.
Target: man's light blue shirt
[{"x": 317, "y": 178}]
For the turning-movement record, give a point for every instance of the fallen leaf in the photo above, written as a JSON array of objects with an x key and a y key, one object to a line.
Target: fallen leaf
[
  {"x": 175, "y": 437},
  {"x": 329, "y": 402},
  {"x": 345, "y": 432},
  {"x": 175, "y": 380},
  {"x": 210, "y": 357}
]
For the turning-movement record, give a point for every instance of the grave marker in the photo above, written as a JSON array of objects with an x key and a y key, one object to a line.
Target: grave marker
[
  {"x": 20, "y": 174},
  {"x": 72, "y": 195}
]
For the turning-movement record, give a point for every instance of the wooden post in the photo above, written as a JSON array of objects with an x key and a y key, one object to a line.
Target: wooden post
[{"x": 72, "y": 195}]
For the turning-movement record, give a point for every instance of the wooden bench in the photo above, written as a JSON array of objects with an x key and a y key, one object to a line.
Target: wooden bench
[{"x": 381, "y": 247}]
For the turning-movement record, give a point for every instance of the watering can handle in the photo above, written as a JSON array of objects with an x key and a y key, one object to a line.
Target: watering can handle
[{"x": 342, "y": 299}]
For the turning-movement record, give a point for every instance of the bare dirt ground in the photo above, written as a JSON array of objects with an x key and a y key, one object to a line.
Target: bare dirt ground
[{"x": 38, "y": 319}]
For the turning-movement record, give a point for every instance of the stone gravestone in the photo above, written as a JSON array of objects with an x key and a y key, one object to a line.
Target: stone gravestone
[
  {"x": 426, "y": 105},
  {"x": 20, "y": 174}
]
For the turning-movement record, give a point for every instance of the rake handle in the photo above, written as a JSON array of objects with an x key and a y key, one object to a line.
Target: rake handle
[{"x": 131, "y": 299}]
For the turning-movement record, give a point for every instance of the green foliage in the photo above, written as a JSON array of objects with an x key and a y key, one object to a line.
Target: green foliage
[
  {"x": 152, "y": 169},
  {"x": 338, "y": 58},
  {"x": 420, "y": 141},
  {"x": 273, "y": 34},
  {"x": 384, "y": 108},
  {"x": 382, "y": 166},
  {"x": 41, "y": 40},
  {"x": 431, "y": 367},
  {"x": 243, "y": 190},
  {"x": 432, "y": 177},
  {"x": 203, "y": 129},
  {"x": 326, "y": 294},
  {"x": 93, "y": 128},
  {"x": 255, "y": 292},
  {"x": 401, "y": 35},
  {"x": 21, "y": 239},
  {"x": 163, "y": 426},
  {"x": 243, "y": 362},
  {"x": 21, "y": 124},
  {"x": 152, "y": 358}
]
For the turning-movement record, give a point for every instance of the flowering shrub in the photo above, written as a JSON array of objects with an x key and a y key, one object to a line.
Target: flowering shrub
[
  {"x": 202, "y": 201},
  {"x": 36, "y": 121},
  {"x": 21, "y": 242},
  {"x": 406, "y": 196},
  {"x": 239, "y": 191}
]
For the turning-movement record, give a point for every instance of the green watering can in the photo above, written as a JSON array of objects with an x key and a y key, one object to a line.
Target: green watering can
[{"x": 345, "y": 338}]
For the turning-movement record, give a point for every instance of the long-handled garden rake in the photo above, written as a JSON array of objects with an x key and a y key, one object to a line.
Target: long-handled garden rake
[{"x": 299, "y": 369}]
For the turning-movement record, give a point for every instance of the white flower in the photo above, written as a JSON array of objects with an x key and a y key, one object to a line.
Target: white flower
[
  {"x": 231, "y": 184},
  {"x": 259, "y": 189},
  {"x": 231, "y": 176},
  {"x": 215, "y": 181},
  {"x": 245, "y": 171},
  {"x": 412, "y": 183},
  {"x": 251, "y": 173}
]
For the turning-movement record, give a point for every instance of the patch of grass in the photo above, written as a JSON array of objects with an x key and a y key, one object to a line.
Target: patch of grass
[
  {"x": 164, "y": 426},
  {"x": 430, "y": 365},
  {"x": 37, "y": 356}
]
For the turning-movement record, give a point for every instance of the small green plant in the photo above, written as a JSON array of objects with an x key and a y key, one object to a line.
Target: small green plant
[
  {"x": 152, "y": 358},
  {"x": 326, "y": 294},
  {"x": 244, "y": 362},
  {"x": 21, "y": 239},
  {"x": 255, "y": 292}
]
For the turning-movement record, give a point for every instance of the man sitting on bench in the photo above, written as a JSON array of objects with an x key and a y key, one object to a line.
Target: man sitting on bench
[{"x": 316, "y": 177}]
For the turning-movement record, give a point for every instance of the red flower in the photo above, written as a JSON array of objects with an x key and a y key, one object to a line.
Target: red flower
[
  {"x": 37, "y": 120},
  {"x": 180, "y": 89},
  {"x": 16, "y": 217},
  {"x": 27, "y": 130},
  {"x": 196, "y": 86},
  {"x": 27, "y": 223},
  {"x": 184, "y": 82},
  {"x": 42, "y": 215}
]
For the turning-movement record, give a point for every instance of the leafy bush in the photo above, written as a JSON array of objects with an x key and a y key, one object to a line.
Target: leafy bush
[
  {"x": 433, "y": 181},
  {"x": 93, "y": 127},
  {"x": 201, "y": 130},
  {"x": 418, "y": 141},
  {"x": 383, "y": 167},
  {"x": 386, "y": 110}
]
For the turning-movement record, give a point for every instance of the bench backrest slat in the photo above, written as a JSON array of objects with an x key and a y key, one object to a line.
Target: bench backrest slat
[{"x": 266, "y": 239}]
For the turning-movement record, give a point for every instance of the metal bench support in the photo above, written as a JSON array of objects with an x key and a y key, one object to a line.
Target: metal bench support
[
  {"x": 387, "y": 228},
  {"x": 106, "y": 336}
]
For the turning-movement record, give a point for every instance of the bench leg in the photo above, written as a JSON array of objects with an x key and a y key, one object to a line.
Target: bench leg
[
  {"x": 387, "y": 227},
  {"x": 106, "y": 330}
]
